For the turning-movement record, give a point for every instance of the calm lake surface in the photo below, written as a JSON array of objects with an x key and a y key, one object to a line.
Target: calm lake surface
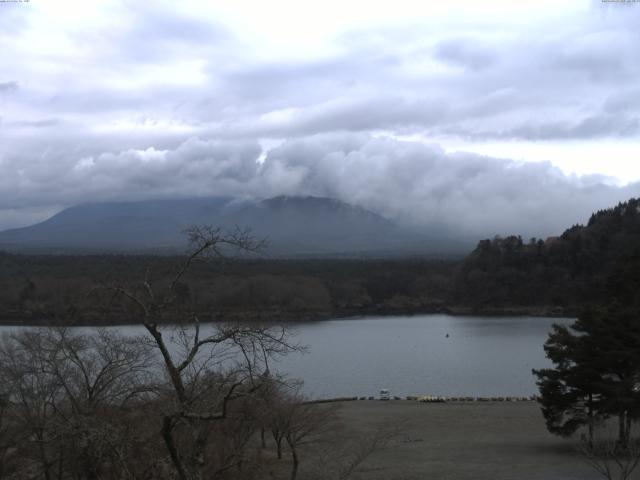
[{"x": 483, "y": 356}]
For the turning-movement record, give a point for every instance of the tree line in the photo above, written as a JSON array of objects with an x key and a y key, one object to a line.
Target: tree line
[{"x": 52, "y": 289}]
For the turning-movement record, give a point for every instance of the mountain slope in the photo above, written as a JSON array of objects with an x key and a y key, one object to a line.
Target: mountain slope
[
  {"x": 117, "y": 225},
  {"x": 292, "y": 225}
]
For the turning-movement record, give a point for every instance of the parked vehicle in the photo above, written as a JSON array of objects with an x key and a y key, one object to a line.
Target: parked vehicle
[{"x": 384, "y": 394}]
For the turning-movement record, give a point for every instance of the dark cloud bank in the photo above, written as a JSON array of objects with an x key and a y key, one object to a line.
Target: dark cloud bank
[{"x": 409, "y": 182}]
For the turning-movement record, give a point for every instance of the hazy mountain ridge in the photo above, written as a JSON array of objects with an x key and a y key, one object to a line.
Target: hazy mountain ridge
[{"x": 293, "y": 226}]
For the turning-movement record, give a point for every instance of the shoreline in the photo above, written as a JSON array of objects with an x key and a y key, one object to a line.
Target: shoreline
[
  {"x": 427, "y": 399},
  {"x": 15, "y": 319}
]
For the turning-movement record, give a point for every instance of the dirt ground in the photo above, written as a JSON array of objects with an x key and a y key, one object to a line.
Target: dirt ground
[{"x": 455, "y": 441}]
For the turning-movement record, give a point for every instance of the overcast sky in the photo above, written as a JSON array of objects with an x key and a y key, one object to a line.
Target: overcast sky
[{"x": 494, "y": 117}]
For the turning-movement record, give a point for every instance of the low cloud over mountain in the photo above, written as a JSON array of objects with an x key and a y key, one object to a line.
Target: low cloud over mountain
[{"x": 410, "y": 183}]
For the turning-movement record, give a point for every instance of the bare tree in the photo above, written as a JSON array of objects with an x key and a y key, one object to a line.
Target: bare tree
[
  {"x": 610, "y": 459},
  {"x": 292, "y": 421},
  {"x": 306, "y": 423},
  {"x": 65, "y": 398},
  {"x": 340, "y": 458},
  {"x": 314, "y": 436},
  {"x": 207, "y": 367},
  {"x": 102, "y": 369},
  {"x": 7, "y": 433},
  {"x": 31, "y": 403},
  {"x": 100, "y": 375}
]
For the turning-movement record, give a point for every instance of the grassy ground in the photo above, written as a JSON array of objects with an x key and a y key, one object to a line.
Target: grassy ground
[{"x": 455, "y": 441}]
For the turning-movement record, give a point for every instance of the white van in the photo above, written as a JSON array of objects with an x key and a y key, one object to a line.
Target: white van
[{"x": 384, "y": 394}]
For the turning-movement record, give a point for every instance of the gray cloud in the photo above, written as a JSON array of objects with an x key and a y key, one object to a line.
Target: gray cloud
[
  {"x": 193, "y": 168},
  {"x": 591, "y": 53},
  {"x": 543, "y": 83},
  {"x": 591, "y": 127},
  {"x": 44, "y": 123},
  {"x": 409, "y": 182},
  {"x": 351, "y": 114},
  {"x": 156, "y": 34},
  {"x": 626, "y": 101},
  {"x": 422, "y": 185},
  {"x": 611, "y": 125},
  {"x": 465, "y": 53},
  {"x": 8, "y": 87}
]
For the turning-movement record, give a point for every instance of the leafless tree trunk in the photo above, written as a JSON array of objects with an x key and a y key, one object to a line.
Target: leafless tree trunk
[
  {"x": 278, "y": 437},
  {"x": 198, "y": 396},
  {"x": 295, "y": 462}
]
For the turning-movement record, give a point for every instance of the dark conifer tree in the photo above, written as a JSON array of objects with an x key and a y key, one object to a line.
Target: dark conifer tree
[
  {"x": 568, "y": 392},
  {"x": 596, "y": 372}
]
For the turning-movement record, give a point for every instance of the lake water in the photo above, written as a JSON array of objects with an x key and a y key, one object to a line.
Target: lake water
[{"x": 482, "y": 356}]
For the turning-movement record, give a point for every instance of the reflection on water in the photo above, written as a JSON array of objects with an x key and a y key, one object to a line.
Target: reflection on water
[{"x": 481, "y": 356}]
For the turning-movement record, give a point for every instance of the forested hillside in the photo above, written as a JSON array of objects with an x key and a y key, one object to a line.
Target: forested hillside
[
  {"x": 48, "y": 288},
  {"x": 582, "y": 266}
]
